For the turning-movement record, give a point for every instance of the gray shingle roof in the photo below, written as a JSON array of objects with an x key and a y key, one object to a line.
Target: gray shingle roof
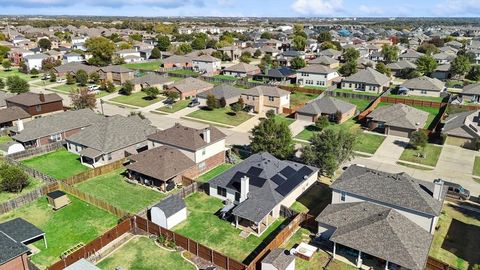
[
  {"x": 464, "y": 124},
  {"x": 424, "y": 83},
  {"x": 206, "y": 58},
  {"x": 152, "y": 79},
  {"x": 400, "y": 115},
  {"x": 191, "y": 84},
  {"x": 323, "y": 60},
  {"x": 115, "y": 69},
  {"x": 73, "y": 67},
  {"x": 9, "y": 249},
  {"x": 330, "y": 53},
  {"x": 20, "y": 230},
  {"x": 262, "y": 90},
  {"x": 12, "y": 113},
  {"x": 399, "y": 189},
  {"x": 171, "y": 205},
  {"x": 3, "y": 96},
  {"x": 82, "y": 264},
  {"x": 223, "y": 91},
  {"x": 379, "y": 231},
  {"x": 242, "y": 68},
  {"x": 368, "y": 76},
  {"x": 279, "y": 258},
  {"x": 317, "y": 69},
  {"x": 402, "y": 64},
  {"x": 326, "y": 105},
  {"x": 471, "y": 89}
]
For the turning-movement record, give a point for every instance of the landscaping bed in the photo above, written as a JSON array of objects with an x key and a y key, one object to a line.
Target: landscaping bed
[
  {"x": 154, "y": 65},
  {"x": 432, "y": 153},
  {"x": 222, "y": 115},
  {"x": 214, "y": 172},
  {"x": 59, "y": 164},
  {"x": 78, "y": 222},
  {"x": 177, "y": 106},
  {"x": 138, "y": 99}
]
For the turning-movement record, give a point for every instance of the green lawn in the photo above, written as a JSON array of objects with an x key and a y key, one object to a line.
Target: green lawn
[
  {"x": 113, "y": 189},
  {"x": 299, "y": 98},
  {"x": 78, "y": 222},
  {"x": 66, "y": 88},
  {"x": 32, "y": 185},
  {"x": 350, "y": 91},
  {"x": 204, "y": 226},
  {"x": 59, "y": 164},
  {"x": 432, "y": 153},
  {"x": 5, "y": 74},
  {"x": 154, "y": 65},
  {"x": 368, "y": 143},
  {"x": 4, "y": 139},
  {"x": 222, "y": 115},
  {"x": 43, "y": 83},
  {"x": 314, "y": 200},
  {"x": 283, "y": 118},
  {"x": 183, "y": 72},
  {"x": 177, "y": 106},
  {"x": 361, "y": 104},
  {"x": 476, "y": 166},
  {"x": 424, "y": 98},
  {"x": 214, "y": 172},
  {"x": 225, "y": 77},
  {"x": 138, "y": 99},
  {"x": 141, "y": 253},
  {"x": 456, "y": 238}
]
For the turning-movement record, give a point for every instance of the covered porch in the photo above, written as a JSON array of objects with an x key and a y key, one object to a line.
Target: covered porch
[
  {"x": 157, "y": 184},
  {"x": 359, "y": 259},
  {"x": 252, "y": 227},
  {"x": 90, "y": 157}
]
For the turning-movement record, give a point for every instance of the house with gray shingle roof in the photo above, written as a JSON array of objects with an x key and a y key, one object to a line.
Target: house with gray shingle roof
[
  {"x": 190, "y": 87},
  {"x": 472, "y": 91},
  {"x": 326, "y": 61},
  {"x": 424, "y": 86},
  {"x": 316, "y": 75},
  {"x": 241, "y": 70},
  {"x": 230, "y": 93},
  {"x": 259, "y": 186},
  {"x": 368, "y": 80},
  {"x": 401, "y": 67},
  {"x": 386, "y": 215},
  {"x": 329, "y": 106},
  {"x": 397, "y": 119},
  {"x": 279, "y": 259},
  {"x": 462, "y": 129},
  {"x": 264, "y": 98}
]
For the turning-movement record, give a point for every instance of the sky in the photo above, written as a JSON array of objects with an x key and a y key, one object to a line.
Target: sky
[{"x": 246, "y": 8}]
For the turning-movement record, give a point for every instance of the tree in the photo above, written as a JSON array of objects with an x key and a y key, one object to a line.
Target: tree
[
  {"x": 428, "y": 48},
  {"x": 83, "y": 99},
  {"x": 212, "y": 102},
  {"x": 2, "y": 84},
  {"x": 44, "y": 44},
  {"x": 127, "y": 88},
  {"x": 426, "y": 64},
  {"x": 390, "y": 53},
  {"x": 257, "y": 53},
  {"x": 474, "y": 73},
  {"x": 173, "y": 95},
  {"x": 460, "y": 66},
  {"x": 329, "y": 149},
  {"x": 152, "y": 92},
  {"x": 324, "y": 36},
  {"x": 266, "y": 35},
  {"x": 156, "y": 53},
  {"x": 94, "y": 77},
  {"x": 327, "y": 45},
  {"x": 70, "y": 78},
  {"x": 53, "y": 76},
  {"x": 12, "y": 178},
  {"x": 382, "y": 68},
  {"x": 102, "y": 50},
  {"x": 136, "y": 37},
  {"x": 270, "y": 114},
  {"x": 163, "y": 43},
  {"x": 274, "y": 137},
  {"x": 6, "y": 64},
  {"x": 110, "y": 87},
  {"x": 418, "y": 139},
  {"x": 348, "y": 68},
  {"x": 199, "y": 43},
  {"x": 211, "y": 44},
  {"x": 49, "y": 63},
  {"x": 244, "y": 58},
  {"x": 350, "y": 55},
  {"x": 266, "y": 62},
  {"x": 23, "y": 67},
  {"x": 299, "y": 43},
  {"x": 222, "y": 102},
  {"x": 184, "y": 48},
  {"x": 81, "y": 77},
  {"x": 298, "y": 31},
  {"x": 297, "y": 63},
  {"x": 34, "y": 72},
  {"x": 236, "y": 108},
  {"x": 322, "y": 122},
  {"x": 3, "y": 51}
]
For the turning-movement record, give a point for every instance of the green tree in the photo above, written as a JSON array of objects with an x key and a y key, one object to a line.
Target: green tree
[
  {"x": 102, "y": 50},
  {"x": 426, "y": 64},
  {"x": 297, "y": 63},
  {"x": 152, "y": 92},
  {"x": 136, "y": 37},
  {"x": 474, "y": 73},
  {"x": 111, "y": 87},
  {"x": 49, "y": 63},
  {"x": 298, "y": 31},
  {"x": 83, "y": 99},
  {"x": 212, "y": 102},
  {"x": 382, "y": 68},
  {"x": 94, "y": 77},
  {"x": 329, "y": 149},
  {"x": 266, "y": 35},
  {"x": 322, "y": 122},
  {"x": 246, "y": 58},
  {"x": 53, "y": 76},
  {"x": 81, "y": 77},
  {"x": 127, "y": 88},
  {"x": 44, "y": 44},
  {"x": 327, "y": 45},
  {"x": 12, "y": 179},
  {"x": 274, "y": 137},
  {"x": 324, "y": 36},
  {"x": 236, "y": 108},
  {"x": 163, "y": 43},
  {"x": 428, "y": 49},
  {"x": 299, "y": 43},
  {"x": 3, "y": 51},
  {"x": 34, "y": 72},
  {"x": 70, "y": 78},
  {"x": 350, "y": 55},
  {"x": 257, "y": 53},
  {"x": 173, "y": 95},
  {"x": 156, "y": 53},
  {"x": 199, "y": 43},
  {"x": 348, "y": 68},
  {"x": 460, "y": 66},
  {"x": 6, "y": 64},
  {"x": 184, "y": 48},
  {"x": 390, "y": 53},
  {"x": 418, "y": 139}
]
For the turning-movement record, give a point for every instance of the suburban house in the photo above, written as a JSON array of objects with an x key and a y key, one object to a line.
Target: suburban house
[
  {"x": 206, "y": 64},
  {"x": 229, "y": 93},
  {"x": 73, "y": 68},
  {"x": 73, "y": 58},
  {"x": 190, "y": 87},
  {"x": 205, "y": 147},
  {"x": 3, "y": 97},
  {"x": 472, "y": 92},
  {"x": 17, "y": 55},
  {"x": 241, "y": 70},
  {"x": 410, "y": 55},
  {"x": 444, "y": 58},
  {"x": 316, "y": 75},
  {"x": 9, "y": 116},
  {"x": 265, "y": 98},
  {"x": 283, "y": 75},
  {"x": 37, "y": 104},
  {"x": 34, "y": 61},
  {"x": 129, "y": 55},
  {"x": 177, "y": 61},
  {"x": 233, "y": 52},
  {"x": 442, "y": 72},
  {"x": 110, "y": 139},
  {"x": 424, "y": 86},
  {"x": 397, "y": 119},
  {"x": 116, "y": 74},
  {"x": 151, "y": 80},
  {"x": 368, "y": 80},
  {"x": 329, "y": 106},
  {"x": 462, "y": 129},
  {"x": 285, "y": 58},
  {"x": 388, "y": 216},
  {"x": 331, "y": 53},
  {"x": 279, "y": 259},
  {"x": 52, "y": 128},
  {"x": 257, "y": 188},
  {"x": 326, "y": 61},
  {"x": 401, "y": 67}
]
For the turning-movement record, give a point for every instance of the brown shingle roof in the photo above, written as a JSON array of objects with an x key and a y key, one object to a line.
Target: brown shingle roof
[
  {"x": 32, "y": 99},
  {"x": 12, "y": 114}
]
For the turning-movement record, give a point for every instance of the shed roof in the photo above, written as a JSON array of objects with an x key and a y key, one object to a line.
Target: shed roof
[{"x": 171, "y": 205}]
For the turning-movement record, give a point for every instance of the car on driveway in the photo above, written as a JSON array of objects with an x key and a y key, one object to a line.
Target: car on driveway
[
  {"x": 457, "y": 191},
  {"x": 193, "y": 103}
]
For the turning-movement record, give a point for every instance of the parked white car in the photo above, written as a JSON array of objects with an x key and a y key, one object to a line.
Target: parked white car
[{"x": 61, "y": 80}]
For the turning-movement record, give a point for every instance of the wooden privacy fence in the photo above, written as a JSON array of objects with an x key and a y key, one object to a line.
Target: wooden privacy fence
[
  {"x": 27, "y": 198},
  {"x": 81, "y": 177},
  {"x": 434, "y": 264},
  {"x": 192, "y": 246},
  {"x": 31, "y": 171},
  {"x": 369, "y": 109},
  {"x": 94, "y": 246},
  {"x": 411, "y": 102},
  {"x": 37, "y": 150},
  {"x": 301, "y": 89}
]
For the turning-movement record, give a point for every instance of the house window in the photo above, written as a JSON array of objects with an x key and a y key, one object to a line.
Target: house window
[
  {"x": 56, "y": 137},
  {"x": 38, "y": 108},
  {"x": 204, "y": 151},
  {"x": 202, "y": 166},
  {"x": 271, "y": 98},
  {"x": 109, "y": 156},
  {"x": 424, "y": 92},
  {"x": 222, "y": 191},
  {"x": 342, "y": 198},
  {"x": 237, "y": 196}
]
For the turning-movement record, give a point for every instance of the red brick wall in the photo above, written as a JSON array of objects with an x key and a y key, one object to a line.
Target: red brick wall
[
  {"x": 210, "y": 163},
  {"x": 46, "y": 140},
  {"x": 45, "y": 108},
  {"x": 19, "y": 263}
]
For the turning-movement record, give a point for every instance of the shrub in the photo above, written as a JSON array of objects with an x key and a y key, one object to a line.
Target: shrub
[
  {"x": 270, "y": 114},
  {"x": 322, "y": 122},
  {"x": 12, "y": 179}
]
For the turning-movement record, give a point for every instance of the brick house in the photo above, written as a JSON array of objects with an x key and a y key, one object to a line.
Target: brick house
[
  {"x": 36, "y": 104},
  {"x": 116, "y": 74},
  {"x": 266, "y": 98},
  {"x": 190, "y": 87},
  {"x": 328, "y": 106}
]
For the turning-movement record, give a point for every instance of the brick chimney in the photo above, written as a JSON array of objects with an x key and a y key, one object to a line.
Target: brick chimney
[{"x": 42, "y": 97}]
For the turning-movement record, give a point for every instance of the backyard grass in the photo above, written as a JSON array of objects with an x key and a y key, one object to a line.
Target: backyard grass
[
  {"x": 432, "y": 153},
  {"x": 59, "y": 164},
  {"x": 214, "y": 172},
  {"x": 113, "y": 189},
  {"x": 183, "y": 72},
  {"x": 456, "y": 238},
  {"x": 141, "y": 253},
  {"x": 476, "y": 166},
  {"x": 154, "y": 65},
  {"x": 299, "y": 98},
  {"x": 424, "y": 98},
  {"x": 138, "y": 99},
  {"x": 204, "y": 226},
  {"x": 4, "y": 139},
  {"x": 222, "y": 115},
  {"x": 350, "y": 91},
  {"x": 361, "y": 104},
  {"x": 78, "y": 222},
  {"x": 225, "y": 77},
  {"x": 314, "y": 200},
  {"x": 32, "y": 185},
  {"x": 175, "y": 107},
  {"x": 283, "y": 118},
  {"x": 5, "y": 74}
]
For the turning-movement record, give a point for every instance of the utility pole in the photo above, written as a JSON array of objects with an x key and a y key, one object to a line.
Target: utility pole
[{"x": 101, "y": 105}]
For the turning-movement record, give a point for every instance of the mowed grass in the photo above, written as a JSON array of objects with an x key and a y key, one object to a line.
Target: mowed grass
[
  {"x": 222, "y": 115},
  {"x": 175, "y": 107},
  {"x": 350, "y": 91},
  {"x": 59, "y": 164},
  {"x": 154, "y": 65},
  {"x": 476, "y": 166},
  {"x": 368, "y": 143},
  {"x": 283, "y": 118},
  {"x": 204, "y": 226},
  {"x": 5, "y": 74},
  {"x": 361, "y": 104},
  {"x": 32, "y": 185},
  {"x": 423, "y": 98},
  {"x": 138, "y": 99},
  {"x": 431, "y": 155},
  {"x": 113, "y": 189},
  {"x": 4, "y": 139},
  {"x": 78, "y": 222},
  {"x": 141, "y": 253},
  {"x": 214, "y": 172},
  {"x": 457, "y": 243},
  {"x": 299, "y": 98},
  {"x": 313, "y": 200},
  {"x": 183, "y": 72},
  {"x": 225, "y": 77}
]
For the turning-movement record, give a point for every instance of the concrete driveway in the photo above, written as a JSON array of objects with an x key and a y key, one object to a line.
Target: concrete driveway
[
  {"x": 391, "y": 149},
  {"x": 298, "y": 126}
]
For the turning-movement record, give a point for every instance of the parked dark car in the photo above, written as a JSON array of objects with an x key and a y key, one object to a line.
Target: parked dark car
[
  {"x": 457, "y": 191},
  {"x": 193, "y": 103}
]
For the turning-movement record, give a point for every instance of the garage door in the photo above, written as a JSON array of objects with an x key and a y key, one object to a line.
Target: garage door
[
  {"x": 456, "y": 141},
  {"x": 304, "y": 117},
  {"x": 398, "y": 132}
]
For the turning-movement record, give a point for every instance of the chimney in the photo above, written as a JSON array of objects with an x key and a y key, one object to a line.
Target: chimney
[
  {"x": 244, "y": 188},
  {"x": 438, "y": 189},
  {"x": 42, "y": 97},
  {"x": 20, "y": 126},
  {"x": 206, "y": 135}
]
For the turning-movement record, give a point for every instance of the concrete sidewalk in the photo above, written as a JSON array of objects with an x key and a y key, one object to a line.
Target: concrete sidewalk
[{"x": 298, "y": 126}]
